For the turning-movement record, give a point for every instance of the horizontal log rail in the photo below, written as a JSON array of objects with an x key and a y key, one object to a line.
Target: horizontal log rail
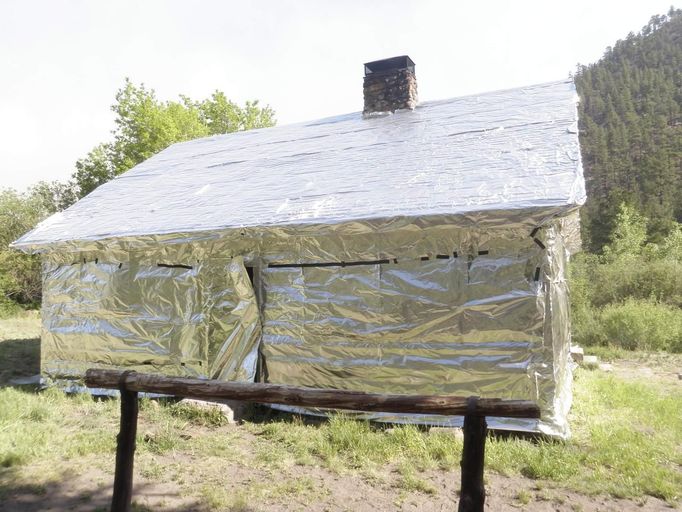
[
  {"x": 310, "y": 397},
  {"x": 474, "y": 410}
]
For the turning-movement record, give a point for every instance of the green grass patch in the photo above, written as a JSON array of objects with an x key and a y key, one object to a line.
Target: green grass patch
[
  {"x": 349, "y": 444},
  {"x": 216, "y": 497},
  {"x": 410, "y": 482},
  {"x": 203, "y": 416},
  {"x": 52, "y": 425},
  {"x": 19, "y": 346},
  {"x": 524, "y": 497},
  {"x": 627, "y": 442},
  {"x": 610, "y": 353},
  {"x": 630, "y": 435}
]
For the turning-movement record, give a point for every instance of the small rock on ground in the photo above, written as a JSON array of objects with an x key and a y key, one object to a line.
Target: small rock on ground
[
  {"x": 232, "y": 410},
  {"x": 577, "y": 353}
]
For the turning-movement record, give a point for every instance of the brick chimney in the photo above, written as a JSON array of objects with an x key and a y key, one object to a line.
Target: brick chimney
[{"x": 390, "y": 85}]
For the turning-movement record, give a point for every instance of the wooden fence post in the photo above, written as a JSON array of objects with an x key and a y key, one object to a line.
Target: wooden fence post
[
  {"x": 472, "y": 493},
  {"x": 121, "y": 500}
]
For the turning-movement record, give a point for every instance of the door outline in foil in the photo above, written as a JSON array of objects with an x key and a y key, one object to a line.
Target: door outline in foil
[{"x": 236, "y": 306}]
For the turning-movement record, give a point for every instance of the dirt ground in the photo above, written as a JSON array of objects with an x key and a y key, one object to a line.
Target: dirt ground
[
  {"x": 663, "y": 368},
  {"x": 329, "y": 492}
]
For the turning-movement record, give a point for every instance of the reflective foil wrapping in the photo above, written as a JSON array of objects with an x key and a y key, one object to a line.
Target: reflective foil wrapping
[
  {"x": 489, "y": 321},
  {"x": 423, "y": 252},
  {"x": 501, "y": 150},
  {"x": 174, "y": 319}
]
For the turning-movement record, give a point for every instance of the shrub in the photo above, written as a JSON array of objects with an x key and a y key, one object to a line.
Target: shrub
[
  {"x": 20, "y": 283},
  {"x": 632, "y": 325},
  {"x": 630, "y": 296},
  {"x": 659, "y": 280},
  {"x": 595, "y": 283}
]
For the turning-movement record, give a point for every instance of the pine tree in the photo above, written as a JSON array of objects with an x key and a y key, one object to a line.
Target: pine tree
[{"x": 631, "y": 130}]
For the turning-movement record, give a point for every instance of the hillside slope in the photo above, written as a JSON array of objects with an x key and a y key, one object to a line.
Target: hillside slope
[{"x": 631, "y": 129}]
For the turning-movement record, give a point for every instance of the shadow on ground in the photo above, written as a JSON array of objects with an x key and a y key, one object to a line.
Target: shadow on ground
[
  {"x": 79, "y": 493},
  {"x": 19, "y": 360}
]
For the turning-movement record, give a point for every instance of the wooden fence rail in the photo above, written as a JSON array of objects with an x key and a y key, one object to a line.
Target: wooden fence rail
[{"x": 474, "y": 410}]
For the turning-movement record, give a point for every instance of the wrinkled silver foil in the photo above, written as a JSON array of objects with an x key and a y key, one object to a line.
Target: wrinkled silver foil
[
  {"x": 502, "y": 150},
  {"x": 492, "y": 321},
  {"x": 199, "y": 322},
  {"x": 422, "y": 253}
]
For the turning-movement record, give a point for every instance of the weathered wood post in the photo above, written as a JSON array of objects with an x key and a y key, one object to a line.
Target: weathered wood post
[
  {"x": 472, "y": 491},
  {"x": 125, "y": 449}
]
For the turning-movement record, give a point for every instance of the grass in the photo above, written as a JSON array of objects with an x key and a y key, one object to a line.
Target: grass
[
  {"x": 217, "y": 497},
  {"x": 672, "y": 362},
  {"x": 410, "y": 482},
  {"x": 524, "y": 497},
  {"x": 639, "y": 441},
  {"x": 19, "y": 346},
  {"x": 345, "y": 444},
  {"x": 627, "y": 442}
]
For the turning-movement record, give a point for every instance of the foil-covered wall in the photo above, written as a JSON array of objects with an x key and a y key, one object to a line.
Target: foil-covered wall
[
  {"x": 491, "y": 323},
  {"x": 429, "y": 327},
  {"x": 421, "y": 308},
  {"x": 150, "y": 316}
]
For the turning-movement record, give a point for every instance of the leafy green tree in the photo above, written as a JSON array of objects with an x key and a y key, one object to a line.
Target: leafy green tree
[
  {"x": 52, "y": 197},
  {"x": 671, "y": 248},
  {"x": 629, "y": 235},
  {"x": 145, "y": 125},
  {"x": 20, "y": 273}
]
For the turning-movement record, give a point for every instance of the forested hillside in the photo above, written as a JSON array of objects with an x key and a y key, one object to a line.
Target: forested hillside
[
  {"x": 631, "y": 130},
  {"x": 627, "y": 292}
]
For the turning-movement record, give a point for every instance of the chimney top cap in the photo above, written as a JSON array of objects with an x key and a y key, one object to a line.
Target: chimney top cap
[{"x": 400, "y": 62}]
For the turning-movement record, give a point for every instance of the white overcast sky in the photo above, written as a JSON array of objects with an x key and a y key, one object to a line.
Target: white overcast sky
[{"x": 62, "y": 61}]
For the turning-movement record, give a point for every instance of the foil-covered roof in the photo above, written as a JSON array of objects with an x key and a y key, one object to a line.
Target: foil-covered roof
[{"x": 501, "y": 150}]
